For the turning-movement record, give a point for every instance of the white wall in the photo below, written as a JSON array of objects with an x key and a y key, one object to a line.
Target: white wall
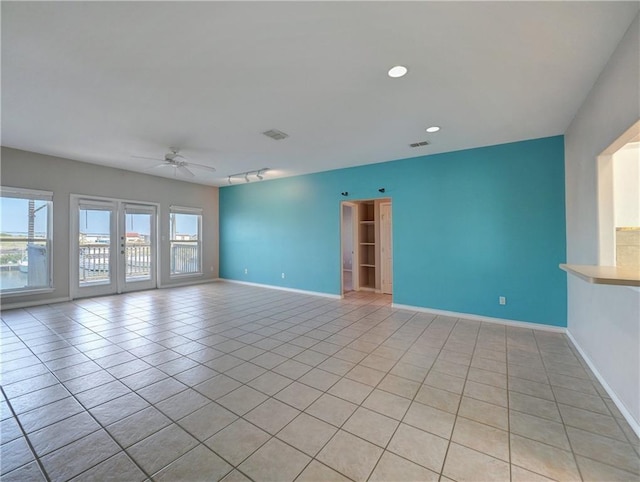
[
  {"x": 626, "y": 186},
  {"x": 65, "y": 177},
  {"x": 603, "y": 320}
]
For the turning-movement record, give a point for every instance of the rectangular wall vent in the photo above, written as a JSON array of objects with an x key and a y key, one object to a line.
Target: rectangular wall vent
[
  {"x": 419, "y": 144},
  {"x": 276, "y": 134}
]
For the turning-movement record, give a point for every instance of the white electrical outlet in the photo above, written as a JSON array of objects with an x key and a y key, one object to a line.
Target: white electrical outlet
[
  {"x": 502, "y": 300},
  {"x": 282, "y": 275},
  {"x": 246, "y": 271}
]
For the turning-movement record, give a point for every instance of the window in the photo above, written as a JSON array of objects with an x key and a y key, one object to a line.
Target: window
[
  {"x": 25, "y": 240},
  {"x": 186, "y": 241}
]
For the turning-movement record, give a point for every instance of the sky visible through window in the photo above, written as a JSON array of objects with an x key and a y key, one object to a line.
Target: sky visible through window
[
  {"x": 14, "y": 216},
  {"x": 186, "y": 224},
  {"x": 14, "y": 219}
]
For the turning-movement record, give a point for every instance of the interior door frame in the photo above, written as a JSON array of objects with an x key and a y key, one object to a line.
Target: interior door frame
[
  {"x": 118, "y": 283},
  {"x": 389, "y": 248},
  {"x": 355, "y": 203},
  {"x": 355, "y": 262}
]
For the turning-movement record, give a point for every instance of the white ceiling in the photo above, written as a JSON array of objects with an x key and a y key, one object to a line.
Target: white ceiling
[{"x": 101, "y": 82}]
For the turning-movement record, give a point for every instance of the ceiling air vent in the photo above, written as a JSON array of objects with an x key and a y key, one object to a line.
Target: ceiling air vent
[
  {"x": 276, "y": 134},
  {"x": 419, "y": 144}
]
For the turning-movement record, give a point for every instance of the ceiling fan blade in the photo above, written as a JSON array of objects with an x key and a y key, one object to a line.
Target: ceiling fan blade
[
  {"x": 148, "y": 158},
  {"x": 158, "y": 166},
  {"x": 201, "y": 166},
  {"x": 185, "y": 172}
]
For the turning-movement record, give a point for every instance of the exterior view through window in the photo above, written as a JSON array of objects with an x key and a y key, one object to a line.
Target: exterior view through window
[
  {"x": 25, "y": 240},
  {"x": 185, "y": 242},
  {"x": 94, "y": 246}
]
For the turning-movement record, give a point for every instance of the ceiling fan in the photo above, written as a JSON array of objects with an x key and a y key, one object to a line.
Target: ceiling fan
[{"x": 178, "y": 162}]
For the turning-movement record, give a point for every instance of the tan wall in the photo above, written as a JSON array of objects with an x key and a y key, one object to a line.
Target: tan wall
[
  {"x": 65, "y": 177},
  {"x": 628, "y": 247}
]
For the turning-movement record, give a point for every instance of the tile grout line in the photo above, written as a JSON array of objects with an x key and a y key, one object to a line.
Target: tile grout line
[
  {"x": 564, "y": 425},
  {"x": 36, "y": 459},
  {"x": 376, "y": 387},
  {"x": 506, "y": 353},
  {"x": 413, "y": 399},
  {"x": 457, "y": 414},
  {"x": 358, "y": 405},
  {"x": 312, "y": 458},
  {"x": 378, "y": 322},
  {"x": 236, "y": 466}
]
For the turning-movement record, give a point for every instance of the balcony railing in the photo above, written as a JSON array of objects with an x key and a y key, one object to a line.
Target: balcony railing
[
  {"x": 94, "y": 260},
  {"x": 184, "y": 258},
  {"x": 139, "y": 261}
]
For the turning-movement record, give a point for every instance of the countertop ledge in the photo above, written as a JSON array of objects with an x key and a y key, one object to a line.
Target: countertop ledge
[{"x": 604, "y": 275}]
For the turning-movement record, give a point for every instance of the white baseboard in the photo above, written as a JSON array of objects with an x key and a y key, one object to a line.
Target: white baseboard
[
  {"x": 487, "y": 319},
  {"x": 188, "y": 283},
  {"x": 283, "y": 288},
  {"x": 633, "y": 423},
  {"x": 29, "y": 304}
]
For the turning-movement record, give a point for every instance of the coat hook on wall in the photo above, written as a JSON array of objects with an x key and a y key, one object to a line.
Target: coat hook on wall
[
  {"x": 345, "y": 193},
  {"x": 381, "y": 189}
]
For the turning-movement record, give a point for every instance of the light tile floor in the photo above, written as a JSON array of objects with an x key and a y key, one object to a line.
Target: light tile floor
[{"x": 225, "y": 381}]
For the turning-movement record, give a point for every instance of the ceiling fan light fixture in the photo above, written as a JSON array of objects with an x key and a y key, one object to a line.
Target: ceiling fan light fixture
[
  {"x": 178, "y": 162},
  {"x": 397, "y": 71}
]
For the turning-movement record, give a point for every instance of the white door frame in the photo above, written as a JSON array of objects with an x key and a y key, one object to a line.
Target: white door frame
[
  {"x": 117, "y": 282},
  {"x": 386, "y": 278},
  {"x": 355, "y": 271}
]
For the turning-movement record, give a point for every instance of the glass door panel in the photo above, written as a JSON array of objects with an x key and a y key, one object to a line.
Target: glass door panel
[
  {"x": 139, "y": 253},
  {"x": 94, "y": 253},
  {"x": 95, "y": 247}
]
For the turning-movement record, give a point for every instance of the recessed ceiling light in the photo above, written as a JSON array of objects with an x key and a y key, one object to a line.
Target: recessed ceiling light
[
  {"x": 433, "y": 129},
  {"x": 397, "y": 71}
]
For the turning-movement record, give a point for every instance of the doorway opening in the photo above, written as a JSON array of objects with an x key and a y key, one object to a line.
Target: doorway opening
[
  {"x": 366, "y": 246},
  {"x": 618, "y": 194}
]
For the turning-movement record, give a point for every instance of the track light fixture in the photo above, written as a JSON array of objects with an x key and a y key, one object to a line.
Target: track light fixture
[{"x": 259, "y": 173}]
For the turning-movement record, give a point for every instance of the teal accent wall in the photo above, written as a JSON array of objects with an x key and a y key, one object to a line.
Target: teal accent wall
[{"x": 468, "y": 227}]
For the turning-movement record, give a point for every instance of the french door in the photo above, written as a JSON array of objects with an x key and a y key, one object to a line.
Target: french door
[{"x": 114, "y": 246}]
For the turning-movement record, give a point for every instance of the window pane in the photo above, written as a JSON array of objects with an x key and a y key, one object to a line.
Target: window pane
[
  {"x": 94, "y": 243},
  {"x": 138, "y": 246},
  {"x": 24, "y": 243},
  {"x": 185, "y": 243},
  {"x": 185, "y": 227}
]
